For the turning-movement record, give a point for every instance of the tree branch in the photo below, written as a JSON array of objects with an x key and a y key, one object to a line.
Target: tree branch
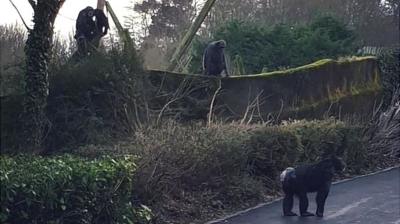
[{"x": 23, "y": 21}]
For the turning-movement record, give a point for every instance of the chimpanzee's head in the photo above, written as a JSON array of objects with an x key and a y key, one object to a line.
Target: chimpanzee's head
[
  {"x": 89, "y": 12},
  {"x": 220, "y": 44},
  {"x": 338, "y": 164}
]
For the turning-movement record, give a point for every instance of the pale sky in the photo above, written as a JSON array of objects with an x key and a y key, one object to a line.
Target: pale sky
[{"x": 65, "y": 21}]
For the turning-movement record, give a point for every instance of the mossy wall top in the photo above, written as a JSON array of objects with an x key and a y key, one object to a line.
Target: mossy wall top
[{"x": 320, "y": 84}]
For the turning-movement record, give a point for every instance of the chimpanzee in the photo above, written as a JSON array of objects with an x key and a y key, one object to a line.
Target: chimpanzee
[
  {"x": 309, "y": 178},
  {"x": 85, "y": 24},
  {"x": 214, "y": 59},
  {"x": 90, "y": 24},
  {"x": 102, "y": 25}
]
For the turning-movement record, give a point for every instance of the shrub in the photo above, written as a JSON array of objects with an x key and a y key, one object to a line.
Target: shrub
[
  {"x": 89, "y": 103},
  {"x": 272, "y": 150},
  {"x": 67, "y": 189},
  {"x": 192, "y": 157},
  {"x": 186, "y": 168},
  {"x": 326, "y": 137},
  {"x": 319, "y": 138}
]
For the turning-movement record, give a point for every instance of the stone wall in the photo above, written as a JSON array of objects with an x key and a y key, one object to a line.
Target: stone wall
[{"x": 326, "y": 87}]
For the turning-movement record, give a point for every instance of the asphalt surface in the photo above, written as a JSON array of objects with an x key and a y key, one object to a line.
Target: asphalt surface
[{"x": 371, "y": 199}]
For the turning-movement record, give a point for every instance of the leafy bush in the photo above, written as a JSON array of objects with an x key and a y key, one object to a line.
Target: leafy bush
[
  {"x": 271, "y": 48},
  {"x": 67, "y": 189}
]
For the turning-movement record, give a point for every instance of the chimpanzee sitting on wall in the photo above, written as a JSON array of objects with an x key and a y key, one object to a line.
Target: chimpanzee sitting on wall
[
  {"x": 214, "y": 59},
  {"x": 90, "y": 24},
  {"x": 309, "y": 178}
]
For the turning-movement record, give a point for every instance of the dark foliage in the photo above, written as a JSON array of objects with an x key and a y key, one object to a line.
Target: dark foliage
[
  {"x": 281, "y": 46},
  {"x": 90, "y": 103}
]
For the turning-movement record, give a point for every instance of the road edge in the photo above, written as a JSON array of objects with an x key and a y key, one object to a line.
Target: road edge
[{"x": 280, "y": 198}]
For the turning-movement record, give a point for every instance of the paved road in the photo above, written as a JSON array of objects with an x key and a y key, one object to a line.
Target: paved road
[{"x": 372, "y": 199}]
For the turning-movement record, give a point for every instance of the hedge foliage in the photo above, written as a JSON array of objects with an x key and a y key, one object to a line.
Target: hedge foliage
[
  {"x": 264, "y": 48},
  {"x": 67, "y": 189}
]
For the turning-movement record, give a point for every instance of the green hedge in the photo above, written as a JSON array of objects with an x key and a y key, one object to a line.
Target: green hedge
[
  {"x": 272, "y": 149},
  {"x": 321, "y": 138},
  {"x": 67, "y": 189}
]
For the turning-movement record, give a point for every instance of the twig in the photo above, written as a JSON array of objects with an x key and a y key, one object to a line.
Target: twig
[
  {"x": 247, "y": 107},
  {"x": 326, "y": 114},
  {"x": 20, "y": 16},
  {"x": 165, "y": 107},
  {"x": 212, "y": 103},
  {"x": 251, "y": 106},
  {"x": 259, "y": 111},
  {"x": 138, "y": 121},
  {"x": 280, "y": 111}
]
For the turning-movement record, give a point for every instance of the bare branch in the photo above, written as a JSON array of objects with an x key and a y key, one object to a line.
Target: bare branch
[
  {"x": 212, "y": 102},
  {"x": 23, "y": 21}
]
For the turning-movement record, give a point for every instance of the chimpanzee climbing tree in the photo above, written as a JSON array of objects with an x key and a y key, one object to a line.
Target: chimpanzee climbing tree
[{"x": 37, "y": 50}]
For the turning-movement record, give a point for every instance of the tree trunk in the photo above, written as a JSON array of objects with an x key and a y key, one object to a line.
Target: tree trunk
[
  {"x": 37, "y": 50},
  {"x": 123, "y": 33},
  {"x": 187, "y": 39},
  {"x": 100, "y": 4}
]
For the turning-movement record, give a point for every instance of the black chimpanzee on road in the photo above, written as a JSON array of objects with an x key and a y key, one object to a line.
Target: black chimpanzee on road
[
  {"x": 214, "y": 59},
  {"x": 90, "y": 24},
  {"x": 309, "y": 178}
]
